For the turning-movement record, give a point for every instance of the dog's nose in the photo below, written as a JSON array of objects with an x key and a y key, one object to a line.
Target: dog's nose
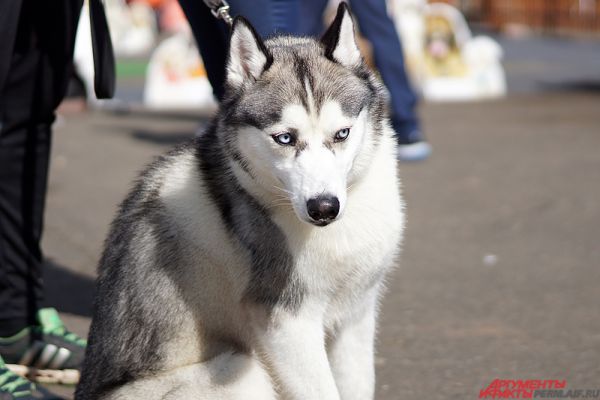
[{"x": 323, "y": 209}]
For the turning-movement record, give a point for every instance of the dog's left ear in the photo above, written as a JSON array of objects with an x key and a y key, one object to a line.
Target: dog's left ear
[
  {"x": 339, "y": 40},
  {"x": 248, "y": 55}
]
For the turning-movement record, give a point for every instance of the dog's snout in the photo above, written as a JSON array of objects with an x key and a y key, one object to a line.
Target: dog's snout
[{"x": 323, "y": 209}]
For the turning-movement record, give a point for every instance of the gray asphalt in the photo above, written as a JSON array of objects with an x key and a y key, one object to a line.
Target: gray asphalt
[{"x": 539, "y": 63}]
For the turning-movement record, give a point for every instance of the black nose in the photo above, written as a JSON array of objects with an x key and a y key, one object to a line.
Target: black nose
[{"x": 323, "y": 209}]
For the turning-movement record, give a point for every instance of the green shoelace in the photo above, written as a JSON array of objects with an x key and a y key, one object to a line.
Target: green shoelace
[
  {"x": 52, "y": 325},
  {"x": 65, "y": 334}
]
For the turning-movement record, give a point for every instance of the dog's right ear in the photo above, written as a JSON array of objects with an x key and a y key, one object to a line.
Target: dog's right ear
[{"x": 248, "y": 55}]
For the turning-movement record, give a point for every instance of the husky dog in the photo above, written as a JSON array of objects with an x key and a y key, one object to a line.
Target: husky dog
[{"x": 248, "y": 263}]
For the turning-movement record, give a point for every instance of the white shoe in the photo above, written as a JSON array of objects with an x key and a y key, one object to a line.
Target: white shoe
[{"x": 417, "y": 151}]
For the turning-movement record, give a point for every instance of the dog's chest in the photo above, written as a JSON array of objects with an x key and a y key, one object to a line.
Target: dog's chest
[
  {"x": 348, "y": 257},
  {"x": 340, "y": 267}
]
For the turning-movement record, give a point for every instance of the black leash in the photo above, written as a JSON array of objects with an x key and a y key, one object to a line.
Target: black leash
[{"x": 104, "y": 57}]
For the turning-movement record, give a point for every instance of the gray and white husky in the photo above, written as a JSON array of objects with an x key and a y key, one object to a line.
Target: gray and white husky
[{"x": 248, "y": 264}]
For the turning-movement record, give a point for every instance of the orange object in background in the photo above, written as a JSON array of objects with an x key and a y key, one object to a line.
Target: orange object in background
[
  {"x": 198, "y": 72},
  {"x": 151, "y": 3},
  {"x": 171, "y": 17}
]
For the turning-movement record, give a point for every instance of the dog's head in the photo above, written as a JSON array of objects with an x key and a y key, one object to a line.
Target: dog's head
[{"x": 302, "y": 117}]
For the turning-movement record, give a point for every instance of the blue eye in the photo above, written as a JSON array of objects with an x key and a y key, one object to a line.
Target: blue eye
[
  {"x": 284, "y": 139},
  {"x": 342, "y": 135}
]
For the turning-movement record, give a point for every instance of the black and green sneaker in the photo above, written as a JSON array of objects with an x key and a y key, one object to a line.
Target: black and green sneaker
[
  {"x": 15, "y": 387},
  {"x": 45, "y": 352}
]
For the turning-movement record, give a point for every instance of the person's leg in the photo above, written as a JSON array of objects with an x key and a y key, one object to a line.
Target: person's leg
[
  {"x": 9, "y": 17},
  {"x": 24, "y": 154},
  {"x": 34, "y": 85},
  {"x": 379, "y": 29},
  {"x": 285, "y": 16},
  {"x": 211, "y": 39},
  {"x": 311, "y": 17},
  {"x": 20, "y": 172},
  {"x": 10, "y": 321},
  {"x": 269, "y": 17}
]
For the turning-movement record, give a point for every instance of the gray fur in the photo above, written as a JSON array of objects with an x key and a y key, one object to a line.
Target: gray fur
[
  {"x": 296, "y": 60},
  {"x": 272, "y": 283},
  {"x": 126, "y": 323}
]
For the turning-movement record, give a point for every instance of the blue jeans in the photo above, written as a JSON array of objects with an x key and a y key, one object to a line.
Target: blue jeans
[{"x": 376, "y": 25}]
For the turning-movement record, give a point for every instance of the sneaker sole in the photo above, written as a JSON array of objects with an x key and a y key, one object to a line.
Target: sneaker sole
[
  {"x": 414, "y": 152},
  {"x": 63, "y": 376}
]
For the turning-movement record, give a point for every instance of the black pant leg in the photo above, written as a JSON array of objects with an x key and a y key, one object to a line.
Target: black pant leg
[
  {"x": 212, "y": 40},
  {"x": 36, "y": 81},
  {"x": 9, "y": 17}
]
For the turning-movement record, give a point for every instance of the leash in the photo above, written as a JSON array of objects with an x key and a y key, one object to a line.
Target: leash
[
  {"x": 220, "y": 10},
  {"x": 102, "y": 49}
]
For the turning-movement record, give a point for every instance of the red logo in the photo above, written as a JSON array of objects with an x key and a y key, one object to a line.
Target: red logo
[{"x": 519, "y": 389}]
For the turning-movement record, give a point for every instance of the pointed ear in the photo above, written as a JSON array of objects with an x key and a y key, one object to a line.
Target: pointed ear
[
  {"x": 248, "y": 56},
  {"x": 339, "y": 40}
]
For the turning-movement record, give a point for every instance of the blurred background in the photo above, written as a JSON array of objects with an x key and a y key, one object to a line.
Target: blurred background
[
  {"x": 500, "y": 274},
  {"x": 577, "y": 17},
  {"x": 537, "y": 41}
]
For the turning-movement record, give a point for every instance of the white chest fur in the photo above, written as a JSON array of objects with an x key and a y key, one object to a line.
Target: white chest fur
[{"x": 340, "y": 262}]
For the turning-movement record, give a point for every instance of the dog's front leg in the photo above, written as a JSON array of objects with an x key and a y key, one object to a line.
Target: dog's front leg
[
  {"x": 351, "y": 354},
  {"x": 294, "y": 347}
]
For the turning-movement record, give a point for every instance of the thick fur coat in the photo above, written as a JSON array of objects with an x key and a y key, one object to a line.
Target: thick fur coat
[{"x": 248, "y": 263}]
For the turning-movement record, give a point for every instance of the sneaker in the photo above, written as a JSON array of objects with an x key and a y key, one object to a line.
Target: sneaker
[
  {"x": 417, "y": 151},
  {"x": 15, "y": 387},
  {"x": 412, "y": 146},
  {"x": 45, "y": 352}
]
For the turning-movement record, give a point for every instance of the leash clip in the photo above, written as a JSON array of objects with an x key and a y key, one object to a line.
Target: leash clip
[{"x": 221, "y": 11}]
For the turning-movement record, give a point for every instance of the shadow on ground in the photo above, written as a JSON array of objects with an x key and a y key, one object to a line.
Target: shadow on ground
[
  {"x": 162, "y": 138},
  {"x": 123, "y": 110},
  {"x": 68, "y": 291},
  {"x": 581, "y": 86}
]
